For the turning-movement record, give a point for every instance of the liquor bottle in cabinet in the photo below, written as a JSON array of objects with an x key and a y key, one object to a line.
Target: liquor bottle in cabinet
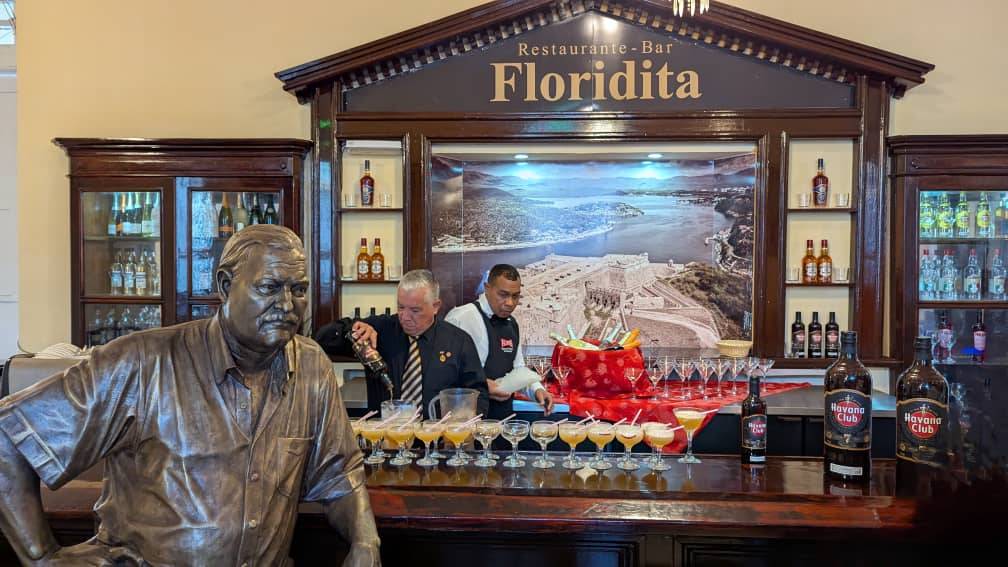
[
  {"x": 377, "y": 262},
  {"x": 363, "y": 262},
  {"x": 271, "y": 215},
  {"x": 367, "y": 186},
  {"x": 824, "y": 264},
  {"x": 225, "y": 220},
  {"x": 979, "y": 339},
  {"x": 984, "y": 224},
  {"x": 241, "y": 214},
  {"x": 996, "y": 279},
  {"x": 798, "y": 337},
  {"x": 832, "y": 336},
  {"x": 962, "y": 217},
  {"x": 815, "y": 337},
  {"x": 848, "y": 420},
  {"x": 255, "y": 214},
  {"x": 810, "y": 267},
  {"x": 820, "y": 186},
  {"x": 972, "y": 280}
]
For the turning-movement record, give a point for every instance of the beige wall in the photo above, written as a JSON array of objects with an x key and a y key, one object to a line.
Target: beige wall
[{"x": 197, "y": 68}]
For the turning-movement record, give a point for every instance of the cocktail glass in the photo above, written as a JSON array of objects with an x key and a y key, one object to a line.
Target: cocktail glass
[
  {"x": 428, "y": 433},
  {"x": 486, "y": 431},
  {"x": 402, "y": 434},
  {"x": 629, "y": 435},
  {"x": 601, "y": 433},
  {"x": 572, "y": 434},
  {"x": 458, "y": 433},
  {"x": 684, "y": 368},
  {"x": 514, "y": 431},
  {"x": 658, "y": 437},
  {"x": 633, "y": 374},
  {"x": 561, "y": 373},
  {"x": 690, "y": 419},
  {"x": 373, "y": 430},
  {"x": 543, "y": 432}
]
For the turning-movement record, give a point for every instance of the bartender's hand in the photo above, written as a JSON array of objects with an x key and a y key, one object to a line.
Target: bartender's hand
[
  {"x": 363, "y": 331},
  {"x": 495, "y": 391},
  {"x": 363, "y": 555},
  {"x": 545, "y": 399}
]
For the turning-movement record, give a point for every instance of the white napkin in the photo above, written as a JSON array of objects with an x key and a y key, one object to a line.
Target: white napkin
[{"x": 517, "y": 379}]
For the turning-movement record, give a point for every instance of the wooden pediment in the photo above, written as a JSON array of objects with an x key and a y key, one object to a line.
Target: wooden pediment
[{"x": 725, "y": 27}]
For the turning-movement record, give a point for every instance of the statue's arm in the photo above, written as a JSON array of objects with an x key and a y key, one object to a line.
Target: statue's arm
[
  {"x": 21, "y": 516},
  {"x": 351, "y": 516}
]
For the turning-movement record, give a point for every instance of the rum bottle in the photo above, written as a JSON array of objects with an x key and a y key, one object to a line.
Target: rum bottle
[
  {"x": 820, "y": 186},
  {"x": 996, "y": 281},
  {"x": 798, "y": 337},
  {"x": 962, "y": 220},
  {"x": 922, "y": 398},
  {"x": 984, "y": 224},
  {"x": 754, "y": 425},
  {"x": 367, "y": 186},
  {"x": 979, "y": 339},
  {"x": 815, "y": 337},
  {"x": 848, "y": 415},
  {"x": 832, "y": 336}
]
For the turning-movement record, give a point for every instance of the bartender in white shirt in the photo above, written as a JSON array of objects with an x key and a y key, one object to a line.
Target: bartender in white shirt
[{"x": 489, "y": 322}]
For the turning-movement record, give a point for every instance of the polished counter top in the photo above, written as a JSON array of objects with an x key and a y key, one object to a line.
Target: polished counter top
[{"x": 809, "y": 402}]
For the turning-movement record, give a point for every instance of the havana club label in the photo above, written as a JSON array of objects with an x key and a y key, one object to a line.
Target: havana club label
[
  {"x": 848, "y": 419},
  {"x": 754, "y": 431},
  {"x": 921, "y": 426}
]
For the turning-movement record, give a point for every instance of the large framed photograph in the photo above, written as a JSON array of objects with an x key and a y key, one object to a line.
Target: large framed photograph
[{"x": 657, "y": 237}]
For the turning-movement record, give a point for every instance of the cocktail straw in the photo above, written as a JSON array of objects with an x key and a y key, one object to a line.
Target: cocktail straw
[
  {"x": 442, "y": 420},
  {"x": 564, "y": 420},
  {"x": 634, "y": 422},
  {"x": 508, "y": 418},
  {"x": 590, "y": 416},
  {"x": 669, "y": 425},
  {"x": 365, "y": 416},
  {"x": 409, "y": 421},
  {"x": 471, "y": 421},
  {"x": 619, "y": 422}
]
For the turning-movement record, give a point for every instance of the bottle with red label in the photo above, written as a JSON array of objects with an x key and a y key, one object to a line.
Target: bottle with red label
[
  {"x": 754, "y": 425},
  {"x": 922, "y": 398},
  {"x": 815, "y": 337},
  {"x": 979, "y": 339},
  {"x": 945, "y": 337},
  {"x": 848, "y": 415}
]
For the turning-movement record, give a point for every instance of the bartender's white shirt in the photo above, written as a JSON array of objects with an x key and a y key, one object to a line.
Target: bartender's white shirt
[{"x": 470, "y": 320}]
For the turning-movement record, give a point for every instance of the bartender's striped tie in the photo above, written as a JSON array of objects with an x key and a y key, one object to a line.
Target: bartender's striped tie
[{"x": 412, "y": 382}]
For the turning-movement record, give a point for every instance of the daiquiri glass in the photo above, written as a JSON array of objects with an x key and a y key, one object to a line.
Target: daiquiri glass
[
  {"x": 572, "y": 434},
  {"x": 373, "y": 431},
  {"x": 690, "y": 419},
  {"x": 601, "y": 434},
  {"x": 486, "y": 431},
  {"x": 428, "y": 433},
  {"x": 628, "y": 435},
  {"x": 514, "y": 431},
  {"x": 458, "y": 434},
  {"x": 402, "y": 435},
  {"x": 658, "y": 437},
  {"x": 543, "y": 433}
]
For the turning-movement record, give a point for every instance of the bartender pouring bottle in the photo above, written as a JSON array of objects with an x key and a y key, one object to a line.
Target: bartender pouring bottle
[{"x": 489, "y": 322}]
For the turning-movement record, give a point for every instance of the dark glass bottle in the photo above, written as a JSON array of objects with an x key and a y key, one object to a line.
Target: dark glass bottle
[
  {"x": 225, "y": 220},
  {"x": 815, "y": 337},
  {"x": 271, "y": 215},
  {"x": 754, "y": 425},
  {"x": 922, "y": 401},
  {"x": 979, "y": 339},
  {"x": 798, "y": 337},
  {"x": 832, "y": 336},
  {"x": 373, "y": 362},
  {"x": 255, "y": 215},
  {"x": 847, "y": 421}
]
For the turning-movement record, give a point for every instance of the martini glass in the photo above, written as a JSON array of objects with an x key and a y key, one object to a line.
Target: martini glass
[
  {"x": 684, "y": 368},
  {"x": 633, "y": 374},
  {"x": 561, "y": 373}
]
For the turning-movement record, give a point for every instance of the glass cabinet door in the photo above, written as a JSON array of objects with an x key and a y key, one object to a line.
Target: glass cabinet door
[
  {"x": 122, "y": 243},
  {"x": 966, "y": 336},
  {"x": 218, "y": 215},
  {"x": 104, "y": 322}
]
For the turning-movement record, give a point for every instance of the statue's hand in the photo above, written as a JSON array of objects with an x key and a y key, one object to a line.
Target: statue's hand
[
  {"x": 92, "y": 553},
  {"x": 363, "y": 555}
]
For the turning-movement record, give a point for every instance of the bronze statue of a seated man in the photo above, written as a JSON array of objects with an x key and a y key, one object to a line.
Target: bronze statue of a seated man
[{"x": 212, "y": 431}]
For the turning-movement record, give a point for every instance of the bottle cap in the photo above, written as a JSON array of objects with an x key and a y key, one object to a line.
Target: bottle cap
[{"x": 921, "y": 343}]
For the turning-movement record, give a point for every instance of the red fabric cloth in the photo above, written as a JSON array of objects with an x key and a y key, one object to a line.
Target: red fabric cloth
[
  {"x": 613, "y": 409},
  {"x": 599, "y": 373}
]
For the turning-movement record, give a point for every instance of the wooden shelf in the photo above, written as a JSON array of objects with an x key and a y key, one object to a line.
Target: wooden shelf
[
  {"x": 823, "y": 363},
  {"x": 978, "y": 304},
  {"x": 369, "y": 210},
  {"x": 821, "y": 210},
  {"x": 115, "y": 299},
  {"x": 834, "y": 284},
  {"x": 131, "y": 238}
]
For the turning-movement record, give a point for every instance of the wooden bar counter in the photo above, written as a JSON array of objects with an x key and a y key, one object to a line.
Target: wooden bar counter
[{"x": 713, "y": 513}]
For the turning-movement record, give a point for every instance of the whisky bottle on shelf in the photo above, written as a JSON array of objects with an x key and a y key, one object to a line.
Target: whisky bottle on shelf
[
  {"x": 116, "y": 276},
  {"x": 241, "y": 216},
  {"x": 984, "y": 226},
  {"x": 225, "y": 220},
  {"x": 815, "y": 337},
  {"x": 927, "y": 219},
  {"x": 848, "y": 415},
  {"x": 367, "y": 186},
  {"x": 754, "y": 425},
  {"x": 979, "y": 339},
  {"x": 948, "y": 280},
  {"x": 363, "y": 262},
  {"x": 962, "y": 217},
  {"x": 810, "y": 267},
  {"x": 820, "y": 186},
  {"x": 972, "y": 284},
  {"x": 996, "y": 279},
  {"x": 946, "y": 218},
  {"x": 255, "y": 215},
  {"x": 832, "y": 336},
  {"x": 798, "y": 337},
  {"x": 922, "y": 400},
  {"x": 271, "y": 215},
  {"x": 377, "y": 263},
  {"x": 825, "y": 264}
]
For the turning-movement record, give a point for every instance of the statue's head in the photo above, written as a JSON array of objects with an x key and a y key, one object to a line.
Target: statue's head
[{"x": 263, "y": 282}]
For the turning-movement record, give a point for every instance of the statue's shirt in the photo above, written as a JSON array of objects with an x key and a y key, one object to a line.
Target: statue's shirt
[{"x": 188, "y": 481}]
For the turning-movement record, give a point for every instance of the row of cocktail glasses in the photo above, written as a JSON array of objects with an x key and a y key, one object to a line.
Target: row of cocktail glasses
[{"x": 400, "y": 434}]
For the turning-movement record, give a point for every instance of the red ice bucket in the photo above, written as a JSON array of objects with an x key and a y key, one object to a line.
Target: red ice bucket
[{"x": 598, "y": 374}]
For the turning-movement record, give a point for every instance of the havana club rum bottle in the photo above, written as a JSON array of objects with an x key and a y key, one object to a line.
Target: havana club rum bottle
[
  {"x": 848, "y": 415},
  {"x": 922, "y": 398},
  {"x": 815, "y": 337},
  {"x": 363, "y": 262},
  {"x": 798, "y": 337},
  {"x": 820, "y": 186},
  {"x": 754, "y": 425},
  {"x": 832, "y": 336},
  {"x": 810, "y": 265}
]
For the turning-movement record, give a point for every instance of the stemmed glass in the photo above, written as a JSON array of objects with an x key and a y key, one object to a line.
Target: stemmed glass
[
  {"x": 374, "y": 434},
  {"x": 458, "y": 433},
  {"x": 561, "y": 373},
  {"x": 684, "y": 368},
  {"x": 690, "y": 419},
  {"x": 667, "y": 366},
  {"x": 514, "y": 431},
  {"x": 543, "y": 432},
  {"x": 572, "y": 434},
  {"x": 486, "y": 431},
  {"x": 633, "y": 374},
  {"x": 658, "y": 435},
  {"x": 428, "y": 433},
  {"x": 704, "y": 366},
  {"x": 402, "y": 435},
  {"x": 601, "y": 433},
  {"x": 739, "y": 365},
  {"x": 764, "y": 364},
  {"x": 629, "y": 435}
]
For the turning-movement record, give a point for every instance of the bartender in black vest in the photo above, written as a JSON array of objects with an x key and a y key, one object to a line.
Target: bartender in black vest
[{"x": 496, "y": 335}]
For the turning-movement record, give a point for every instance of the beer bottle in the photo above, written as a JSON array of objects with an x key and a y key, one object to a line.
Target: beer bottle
[{"x": 848, "y": 410}]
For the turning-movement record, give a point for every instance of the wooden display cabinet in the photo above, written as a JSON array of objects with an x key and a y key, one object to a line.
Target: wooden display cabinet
[{"x": 155, "y": 203}]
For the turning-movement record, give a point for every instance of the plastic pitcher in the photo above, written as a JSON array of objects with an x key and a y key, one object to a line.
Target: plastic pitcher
[
  {"x": 402, "y": 408},
  {"x": 461, "y": 402}
]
